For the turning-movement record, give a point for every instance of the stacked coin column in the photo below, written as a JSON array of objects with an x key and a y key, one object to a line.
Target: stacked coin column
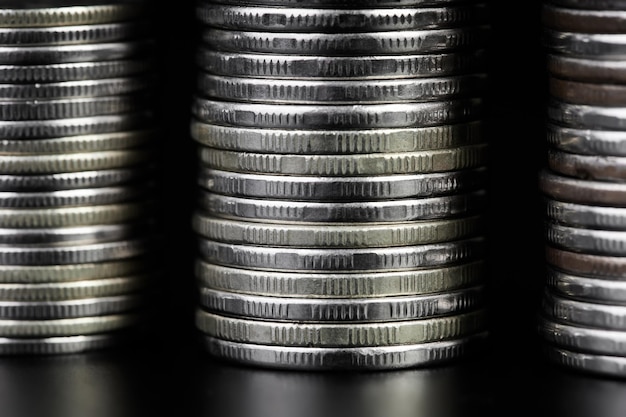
[
  {"x": 76, "y": 134},
  {"x": 584, "y": 185},
  {"x": 342, "y": 178}
]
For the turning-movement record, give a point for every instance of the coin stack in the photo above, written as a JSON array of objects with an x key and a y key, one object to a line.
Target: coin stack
[
  {"x": 76, "y": 134},
  {"x": 342, "y": 172},
  {"x": 583, "y": 310}
]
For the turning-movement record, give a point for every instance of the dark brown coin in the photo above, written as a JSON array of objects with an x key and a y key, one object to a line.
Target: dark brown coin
[
  {"x": 598, "y": 266},
  {"x": 577, "y": 190},
  {"x": 610, "y": 71},
  {"x": 582, "y": 92},
  {"x": 571, "y": 19}
]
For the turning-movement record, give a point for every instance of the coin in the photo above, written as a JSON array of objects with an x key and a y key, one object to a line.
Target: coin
[
  {"x": 568, "y": 19},
  {"x": 61, "y": 345},
  {"x": 344, "y": 3},
  {"x": 584, "y": 288},
  {"x": 593, "y": 142},
  {"x": 590, "y": 45},
  {"x": 587, "y": 116},
  {"x": 73, "y": 34},
  {"x": 65, "y": 309},
  {"x": 76, "y": 326},
  {"x": 73, "y": 235},
  {"x": 590, "y": 69},
  {"x": 585, "y": 215},
  {"x": 583, "y": 339},
  {"x": 583, "y": 191},
  {"x": 591, "y": 93},
  {"x": 599, "y": 266},
  {"x": 593, "y": 241},
  {"x": 591, "y": 4},
  {"x": 583, "y": 313},
  {"x": 588, "y": 167}
]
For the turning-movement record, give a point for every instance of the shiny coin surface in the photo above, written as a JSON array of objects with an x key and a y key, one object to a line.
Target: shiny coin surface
[
  {"x": 73, "y": 234},
  {"x": 594, "y": 142},
  {"x": 75, "y": 326},
  {"x": 584, "y": 313},
  {"x": 586, "y": 215},
  {"x": 73, "y": 34},
  {"x": 578, "y": 239},
  {"x": 587, "y": 69},
  {"x": 592, "y": 4},
  {"x": 584, "y": 288},
  {"x": 605, "y": 365},
  {"x": 595, "y": 94},
  {"x": 64, "y": 309},
  {"x": 357, "y": 3},
  {"x": 589, "y": 45},
  {"x": 62, "y": 345},
  {"x": 582, "y": 338},
  {"x": 583, "y": 191},
  {"x": 598, "y": 266},
  {"x": 587, "y": 167},
  {"x": 569, "y": 19},
  {"x": 587, "y": 116}
]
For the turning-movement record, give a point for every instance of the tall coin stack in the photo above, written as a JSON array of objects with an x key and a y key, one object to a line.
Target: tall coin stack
[
  {"x": 76, "y": 134},
  {"x": 583, "y": 316},
  {"x": 342, "y": 180}
]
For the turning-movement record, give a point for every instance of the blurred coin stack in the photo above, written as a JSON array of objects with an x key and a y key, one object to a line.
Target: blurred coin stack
[
  {"x": 583, "y": 315},
  {"x": 342, "y": 181},
  {"x": 76, "y": 134}
]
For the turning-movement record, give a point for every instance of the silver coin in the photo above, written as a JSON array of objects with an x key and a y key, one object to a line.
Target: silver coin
[
  {"x": 341, "y": 235},
  {"x": 63, "y": 345},
  {"x": 102, "y": 142},
  {"x": 596, "y": 266},
  {"x": 363, "y": 188},
  {"x": 82, "y": 253},
  {"x": 348, "y": 44},
  {"x": 346, "y": 358},
  {"x": 73, "y": 180},
  {"x": 335, "y": 141},
  {"x": 587, "y": 167},
  {"x": 582, "y": 338},
  {"x": 273, "y": 19},
  {"x": 56, "y": 54},
  {"x": 73, "y": 34},
  {"x": 591, "y": 289},
  {"x": 74, "y": 290},
  {"x": 349, "y": 310},
  {"x": 339, "y": 285},
  {"x": 583, "y": 20},
  {"x": 75, "y": 89},
  {"x": 73, "y": 71},
  {"x": 76, "y": 326},
  {"x": 585, "y": 215},
  {"x": 62, "y": 128},
  {"x": 593, "y": 142},
  {"x": 35, "y": 109},
  {"x": 578, "y": 239},
  {"x": 280, "y": 66},
  {"x": 429, "y": 161},
  {"x": 589, "y": 45},
  {"x": 80, "y": 197},
  {"x": 587, "y": 69},
  {"x": 583, "y": 313},
  {"x": 336, "y": 92},
  {"x": 303, "y": 116},
  {"x": 65, "y": 309},
  {"x": 434, "y": 255},
  {"x": 604, "y": 365},
  {"x": 30, "y": 13},
  {"x": 592, "y": 4},
  {"x": 346, "y": 3},
  {"x": 73, "y": 235},
  {"x": 287, "y": 211},
  {"x": 582, "y": 191},
  {"x": 587, "y": 116}
]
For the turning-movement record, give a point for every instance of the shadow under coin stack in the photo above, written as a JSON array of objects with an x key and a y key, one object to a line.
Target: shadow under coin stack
[
  {"x": 584, "y": 184},
  {"x": 342, "y": 180},
  {"x": 75, "y": 161}
]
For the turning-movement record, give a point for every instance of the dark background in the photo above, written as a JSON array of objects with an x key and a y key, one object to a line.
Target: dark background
[{"x": 165, "y": 372}]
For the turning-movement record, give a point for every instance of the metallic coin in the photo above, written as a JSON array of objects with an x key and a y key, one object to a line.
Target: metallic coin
[
  {"x": 351, "y": 310},
  {"x": 75, "y": 89},
  {"x": 434, "y": 255},
  {"x": 589, "y": 45},
  {"x": 583, "y": 313},
  {"x": 336, "y": 92},
  {"x": 591, "y": 4},
  {"x": 32, "y": 13},
  {"x": 375, "y": 43},
  {"x": 303, "y": 116},
  {"x": 596, "y": 266},
  {"x": 587, "y": 69},
  {"x": 593, "y": 142},
  {"x": 273, "y": 19},
  {"x": 440, "y": 160},
  {"x": 604, "y": 365},
  {"x": 286, "y": 211},
  {"x": 339, "y": 285},
  {"x": 65, "y": 274},
  {"x": 362, "y": 188},
  {"x": 346, "y": 3},
  {"x": 587, "y": 167},
  {"x": 75, "y": 290},
  {"x": 346, "y": 358},
  {"x": 73, "y": 180},
  {"x": 73, "y": 235},
  {"x": 341, "y": 235},
  {"x": 80, "y": 197},
  {"x": 333, "y": 141},
  {"x": 56, "y": 54},
  {"x": 65, "y": 309},
  {"x": 74, "y": 216},
  {"x": 357, "y": 334},
  {"x": 35, "y": 109},
  {"x": 568, "y": 19},
  {"x": 582, "y": 191},
  {"x": 72, "y": 254},
  {"x": 74, "y": 34},
  {"x": 590, "y": 93},
  {"x": 73, "y": 71},
  {"x": 76, "y": 326},
  {"x": 584, "y": 288},
  {"x": 406, "y": 65},
  {"x": 58, "y": 345},
  {"x": 582, "y": 338},
  {"x": 62, "y": 128},
  {"x": 578, "y": 239},
  {"x": 102, "y": 142},
  {"x": 585, "y": 215},
  {"x": 587, "y": 116}
]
